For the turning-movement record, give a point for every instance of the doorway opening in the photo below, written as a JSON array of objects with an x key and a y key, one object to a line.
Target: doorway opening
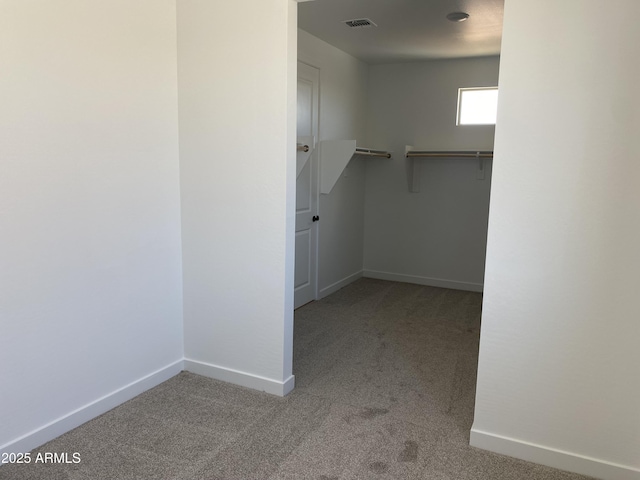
[{"x": 417, "y": 220}]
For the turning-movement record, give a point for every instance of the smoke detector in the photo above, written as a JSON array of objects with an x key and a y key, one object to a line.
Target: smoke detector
[{"x": 360, "y": 23}]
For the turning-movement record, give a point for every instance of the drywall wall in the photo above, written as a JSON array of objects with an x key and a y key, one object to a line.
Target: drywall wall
[
  {"x": 558, "y": 372},
  {"x": 438, "y": 235},
  {"x": 237, "y": 117},
  {"x": 343, "y": 106},
  {"x": 90, "y": 268}
]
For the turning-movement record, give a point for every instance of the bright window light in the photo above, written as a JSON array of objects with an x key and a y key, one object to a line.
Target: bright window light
[{"x": 477, "y": 106}]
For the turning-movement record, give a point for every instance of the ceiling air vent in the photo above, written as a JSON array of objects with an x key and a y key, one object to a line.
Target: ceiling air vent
[{"x": 360, "y": 22}]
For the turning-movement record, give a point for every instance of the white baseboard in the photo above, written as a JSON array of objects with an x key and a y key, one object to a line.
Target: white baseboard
[
  {"x": 552, "y": 457},
  {"x": 432, "y": 282},
  {"x": 334, "y": 287},
  {"x": 83, "y": 414},
  {"x": 243, "y": 379}
]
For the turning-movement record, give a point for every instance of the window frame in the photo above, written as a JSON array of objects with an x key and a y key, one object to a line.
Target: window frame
[{"x": 459, "y": 106}]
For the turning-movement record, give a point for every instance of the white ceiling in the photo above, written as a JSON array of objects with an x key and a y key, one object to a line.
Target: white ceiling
[{"x": 408, "y": 30}]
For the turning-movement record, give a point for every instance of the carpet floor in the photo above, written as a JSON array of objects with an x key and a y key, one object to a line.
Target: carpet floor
[{"x": 385, "y": 383}]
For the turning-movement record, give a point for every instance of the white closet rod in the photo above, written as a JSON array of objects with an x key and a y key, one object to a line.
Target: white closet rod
[{"x": 447, "y": 154}]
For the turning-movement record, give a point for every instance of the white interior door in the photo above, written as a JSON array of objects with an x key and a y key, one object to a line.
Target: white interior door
[{"x": 306, "y": 267}]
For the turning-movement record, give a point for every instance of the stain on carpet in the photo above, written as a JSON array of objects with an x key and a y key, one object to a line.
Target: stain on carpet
[
  {"x": 410, "y": 452},
  {"x": 378, "y": 467},
  {"x": 367, "y": 413}
]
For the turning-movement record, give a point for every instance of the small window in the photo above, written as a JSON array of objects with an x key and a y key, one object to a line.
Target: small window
[{"x": 477, "y": 106}]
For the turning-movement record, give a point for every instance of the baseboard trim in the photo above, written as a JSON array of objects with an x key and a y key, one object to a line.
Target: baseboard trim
[
  {"x": 83, "y": 414},
  {"x": 334, "y": 287},
  {"x": 243, "y": 379},
  {"x": 552, "y": 457},
  {"x": 432, "y": 282}
]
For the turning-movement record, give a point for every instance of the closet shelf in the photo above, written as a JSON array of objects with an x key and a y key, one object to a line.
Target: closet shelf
[
  {"x": 334, "y": 157},
  {"x": 304, "y": 150},
  {"x": 413, "y": 172}
]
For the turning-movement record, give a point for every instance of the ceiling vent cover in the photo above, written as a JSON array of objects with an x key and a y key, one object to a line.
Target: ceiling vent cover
[{"x": 360, "y": 22}]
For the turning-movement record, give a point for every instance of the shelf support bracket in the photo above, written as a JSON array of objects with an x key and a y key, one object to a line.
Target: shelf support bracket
[
  {"x": 413, "y": 171},
  {"x": 481, "y": 165}
]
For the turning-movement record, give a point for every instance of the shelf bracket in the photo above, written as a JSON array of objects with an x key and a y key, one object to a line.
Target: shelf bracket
[
  {"x": 335, "y": 156},
  {"x": 413, "y": 171},
  {"x": 481, "y": 165}
]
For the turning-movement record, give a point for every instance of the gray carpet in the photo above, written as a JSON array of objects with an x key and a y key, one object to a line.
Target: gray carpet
[{"x": 385, "y": 377}]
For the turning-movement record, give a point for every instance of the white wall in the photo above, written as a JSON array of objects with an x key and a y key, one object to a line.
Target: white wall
[
  {"x": 237, "y": 77},
  {"x": 90, "y": 270},
  {"x": 343, "y": 109},
  {"x": 438, "y": 235},
  {"x": 558, "y": 376}
]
